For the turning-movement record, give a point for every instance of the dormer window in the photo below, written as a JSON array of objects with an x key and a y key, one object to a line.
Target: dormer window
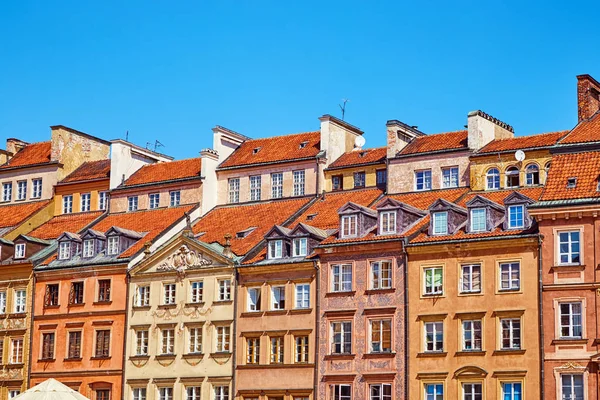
[
  {"x": 275, "y": 249},
  {"x": 64, "y": 250},
  {"x": 113, "y": 246},
  {"x": 571, "y": 183},
  {"x": 299, "y": 247},
  {"x": 516, "y": 216},
  {"x": 478, "y": 220},
  {"x": 440, "y": 223},
  {"x": 349, "y": 228},
  {"x": 532, "y": 175},
  {"x": 303, "y": 145},
  {"x": 255, "y": 150},
  {"x": 387, "y": 222},
  {"x": 512, "y": 177},
  {"x": 88, "y": 248},
  {"x": 20, "y": 250}
]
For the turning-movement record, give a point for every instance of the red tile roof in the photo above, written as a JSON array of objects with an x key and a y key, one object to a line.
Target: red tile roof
[
  {"x": 360, "y": 157},
  {"x": 423, "y": 200},
  {"x": 523, "y": 142},
  {"x": 462, "y": 235},
  {"x": 586, "y": 131},
  {"x": 14, "y": 214},
  {"x": 165, "y": 171},
  {"x": 498, "y": 196},
  {"x": 32, "y": 154},
  {"x": 90, "y": 170},
  {"x": 583, "y": 166},
  {"x": 64, "y": 223},
  {"x": 275, "y": 149},
  {"x": 233, "y": 219},
  {"x": 437, "y": 142}
]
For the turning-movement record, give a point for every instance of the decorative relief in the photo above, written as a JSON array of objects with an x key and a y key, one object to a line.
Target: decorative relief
[
  {"x": 379, "y": 364},
  {"x": 11, "y": 373},
  {"x": 183, "y": 260},
  {"x": 139, "y": 363},
  {"x": 13, "y": 323},
  {"x": 341, "y": 366}
]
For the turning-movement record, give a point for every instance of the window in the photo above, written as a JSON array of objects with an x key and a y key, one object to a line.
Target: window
[
  {"x": 380, "y": 391},
  {"x": 512, "y": 391},
  {"x": 169, "y": 290},
  {"x": 76, "y": 293},
  {"x": 472, "y": 391},
  {"x": 51, "y": 297},
  {"x": 139, "y": 393},
  {"x": 341, "y": 337},
  {"x": 423, "y": 180},
  {"x": 381, "y": 177},
  {"x": 298, "y": 183},
  {"x": 359, "y": 179},
  {"x": 222, "y": 339},
  {"x": 299, "y": 247},
  {"x": 570, "y": 320},
  {"x": 103, "y": 394},
  {"x": 255, "y": 188},
  {"x": 142, "y": 296},
  {"x": 48, "y": 346},
  {"x": 221, "y": 392},
  {"x": 224, "y": 290},
  {"x": 254, "y": 299},
  {"x": 471, "y": 335},
  {"x": 381, "y": 274},
  {"x": 103, "y": 343},
  {"x": 302, "y": 295},
  {"x": 470, "y": 280},
  {"x": 532, "y": 175},
  {"x": 195, "y": 340},
  {"x": 2, "y": 302},
  {"x": 67, "y": 204},
  {"x": 511, "y": 333},
  {"x": 478, "y": 220},
  {"x": 175, "y": 197},
  {"x": 349, "y": 227},
  {"x": 512, "y": 177},
  {"x": 154, "y": 200},
  {"x": 252, "y": 350},
  {"x": 194, "y": 392},
  {"x": 572, "y": 386},
  {"x": 132, "y": 203},
  {"x": 102, "y": 200},
  {"x": 196, "y": 291},
  {"x": 434, "y": 336},
  {"x": 510, "y": 276},
  {"x": 277, "y": 185},
  {"x": 337, "y": 182},
  {"x": 16, "y": 351},
  {"x": 275, "y": 249},
  {"x": 13, "y": 393},
  {"x": 277, "y": 350},
  {"x": 85, "y": 202},
  {"x": 434, "y": 391},
  {"x": 341, "y": 392},
  {"x": 387, "y": 222},
  {"x": 20, "y": 301},
  {"x": 167, "y": 341},
  {"x": 64, "y": 250},
  {"x": 515, "y": 217},
  {"x": 36, "y": 192},
  {"x": 21, "y": 190},
  {"x": 234, "y": 190},
  {"x": 568, "y": 247},
  {"x": 433, "y": 281},
  {"x": 341, "y": 278},
  {"x": 450, "y": 177},
  {"x": 492, "y": 179},
  {"x": 278, "y": 298},
  {"x": 104, "y": 290},
  {"x": 301, "y": 349},
  {"x": 381, "y": 336},
  {"x": 88, "y": 248},
  {"x": 74, "y": 344},
  {"x": 113, "y": 245},
  {"x": 141, "y": 343},
  {"x": 165, "y": 393},
  {"x": 20, "y": 250},
  {"x": 7, "y": 191},
  {"x": 440, "y": 223}
]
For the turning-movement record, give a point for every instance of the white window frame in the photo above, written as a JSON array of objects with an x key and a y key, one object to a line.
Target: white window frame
[
  {"x": 139, "y": 393},
  {"x": 196, "y": 291},
  {"x": 132, "y": 203},
  {"x": 423, "y": 180},
  {"x": 302, "y": 292},
  {"x": 142, "y": 296},
  {"x": 300, "y": 247},
  {"x": 167, "y": 341},
  {"x": 572, "y": 386},
  {"x": 195, "y": 335},
  {"x": 450, "y": 177},
  {"x": 233, "y": 190},
  {"x": 474, "y": 217},
  {"x": 3, "y": 302},
  {"x": 299, "y": 182},
  {"x": 514, "y": 338},
  {"x": 254, "y": 299},
  {"x": 469, "y": 268},
  {"x": 472, "y": 393},
  {"x": 255, "y": 187},
  {"x": 7, "y": 191},
  {"x": 85, "y": 202},
  {"x": 20, "y": 305},
  {"x": 436, "y": 328},
  {"x": 21, "y": 190},
  {"x": 67, "y": 204},
  {"x": 376, "y": 346},
  {"x": 339, "y": 277},
  {"x": 153, "y": 201},
  {"x": 570, "y": 253},
  {"x": 169, "y": 293},
  {"x": 507, "y": 269},
  {"x": 472, "y": 327},
  {"x": 278, "y": 297},
  {"x": 19, "y": 251},
  {"x": 387, "y": 222},
  {"x": 530, "y": 170},
  {"x": 16, "y": 350},
  {"x": 112, "y": 247},
  {"x": 509, "y": 212},
  {"x": 349, "y": 226},
  {"x": 509, "y": 173},
  {"x": 492, "y": 176},
  {"x": 571, "y": 315},
  {"x": 224, "y": 289},
  {"x": 174, "y": 198},
  {"x": 377, "y": 281},
  {"x": 382, "y": 387},
  {"x": 36, "y": 188},
  {"x": 512, "y": 393},
  {"x": 277, "y": 185},
  {"x": 141, "y": 342},
  {"x": 221, "y": 392},
  {"x": 88, "y": 248},
  {"x": 275, "y": 249},
  {"x": 440, "y": 227},
  {"x": 223, "y": 338},
  {"x": 345, "y": 344},
  {"x": 193, "y": 392},
  {"x": 64, "y": 250},
  {"x": 432, "y": 289},
  {"x": 165, "y": 393},
  {"x": 102, "y": 200}
]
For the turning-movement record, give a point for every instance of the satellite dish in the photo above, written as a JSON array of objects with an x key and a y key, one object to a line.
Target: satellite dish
[
  {"x": 519, "y": 155},
  {"x": 359, "y": 142}
]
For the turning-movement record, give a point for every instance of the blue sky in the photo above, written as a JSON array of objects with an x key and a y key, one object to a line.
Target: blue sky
[{"x": 171, "y": 70}]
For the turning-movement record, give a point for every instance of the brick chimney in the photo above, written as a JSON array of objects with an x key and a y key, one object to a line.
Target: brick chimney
[
  {"x": 399, "y": 135},
  {"x": 337, "y": 137},
  {"x": 588, "y": 100},
  {"x": 13, "y": 145},
  {"x": 483, "y": 128}
]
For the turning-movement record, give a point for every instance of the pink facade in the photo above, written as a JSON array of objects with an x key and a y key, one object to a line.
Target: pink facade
[{"x": 190, "y": 193}]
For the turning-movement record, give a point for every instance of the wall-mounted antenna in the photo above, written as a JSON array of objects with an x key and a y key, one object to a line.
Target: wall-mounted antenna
[{"x": 343, "y": 107}]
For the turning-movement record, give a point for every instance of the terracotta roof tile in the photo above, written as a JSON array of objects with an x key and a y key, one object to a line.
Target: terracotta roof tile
[
  {"x": 436, "y": 142},
  {"x": 232, "y": 219},
  {"x": 275, "y": 149},
  {"x": 360, "y": 157},
  {"x": 13, "y": 214},
  {"x": 88, "y": 171},
  {"x": 64, "y": 223},
  {"x": 461, "y": 234},
  {"x": 583, "y": 166},
  {"x": 32, "y": 154},
  {"x": 523, "y": 142},
  {"x": 498, "y": 196},
  {"x": 586, "y": 131},
  {"x": 423, "y": 200},
  {"x": 165, "y": 171}
]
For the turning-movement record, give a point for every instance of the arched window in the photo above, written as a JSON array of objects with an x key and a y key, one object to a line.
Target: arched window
[
  {"x": 512, "y": 177},
  {"x": 532, "y": 175},
  {"x": 546, "y": 170},
  {"x": 493, "y": 179}
]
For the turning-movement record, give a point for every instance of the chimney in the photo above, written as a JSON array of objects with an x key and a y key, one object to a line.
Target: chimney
[
  {"x": 337, "y": 137},
  {"x": 126, "y": 158},
  {"x": 225, "y": 141},
  {"x": 588, "y": 101},
  {"x": 399, "y": 135},
  {"x": 227, "y": 246},
  {"x": 483, "y": 128},
  {"x": 209, "y": 159},
  {"x": 13, "y": 145}
]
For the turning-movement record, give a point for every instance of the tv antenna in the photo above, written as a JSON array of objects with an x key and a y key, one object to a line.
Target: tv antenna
[
  {"x": 156, "y": 145},
  {"x": 343, "y": 107}
]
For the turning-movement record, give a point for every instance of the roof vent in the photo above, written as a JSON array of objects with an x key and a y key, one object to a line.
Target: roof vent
[
  {"x": 256, "y": 150},
  {"x": 245, "y": 232},
  {"x": 571, "y": 183},
  {"x": 310, "y": 217},
  {"x": 362, "y": 154},
  {"x": 303, "y": 144}
]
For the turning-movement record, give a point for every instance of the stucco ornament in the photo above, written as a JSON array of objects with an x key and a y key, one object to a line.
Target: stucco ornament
[{"x": 182, "y": 260}]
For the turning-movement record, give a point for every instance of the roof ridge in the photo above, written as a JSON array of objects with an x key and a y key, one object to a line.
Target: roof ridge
[{"x": 283, "y": 135}]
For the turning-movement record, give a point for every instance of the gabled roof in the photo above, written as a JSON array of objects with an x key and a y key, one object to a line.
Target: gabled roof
[
  {"x": 352, "y": 207},
  {"x": 439, "y": 142},
  {"x": 389, "y": 203},
  {"x": 69, "y": 236},
  {"x": 66, "y": 222},
  {"x": 586, "y": 131},
  {"x": 125, "y": 232},
  {"x": 274, "y": 150},
  {"x": 441, "y": 204},
  {"x": 542, "y": 140},
  {"x": 499, "y": 196},
  {"x": 585, "y": 167},
  {"x": 12, "y": 215},
  {"x": 88, "y": 171},
  {"x": 279, "y": 230},
  {"x": 423, "y": 200},
  {"x": 360, "y": 157},
  {"x": 311, "y": 230},
  {"x": 165, "y": 172},
  {"x": 31, "y": 154},
  {"x": 479, "y": 201}
]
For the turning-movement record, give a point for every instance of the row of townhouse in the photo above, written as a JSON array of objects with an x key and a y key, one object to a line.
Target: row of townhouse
[{"x": 453, "y": 265}]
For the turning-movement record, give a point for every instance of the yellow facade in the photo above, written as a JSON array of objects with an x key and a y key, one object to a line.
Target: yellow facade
[
  {"x": 76, "y": 190},
  {"x": 348, "y": 176}
]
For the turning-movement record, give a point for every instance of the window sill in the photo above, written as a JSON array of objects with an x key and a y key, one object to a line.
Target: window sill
[
  {"x": 433, "y": 295},
  {"x": 73, "y": 359},
  {"x": 199, "y": 304},
  {"x": 340, "y": 294},
  {"x": 15, "y": 365},
  {"x": 165, "y": 356},
  {"x": 379, "y": 291},
  {"x": 193, "y": 356},
  {"x": 48, "y": 307},
  {"x": 220, "y": 354},
  {"x": 250, "y": 314},
  {"x": 140, "y": 308},
  {"x": 570, "y": 267},
  {"x": 470, "y": 353},
  {"x": 17, "y": 315},
  {"x": 276, "y": 312},
  {"x": 139, "y": 357},
  {"x": 76, "y": 305},
  {"x": 432, "y": 354},
  {"x": 339, "y": 357},
  {"x": 102, "y": 303},
  {"x": 222, "y": 302},
  {"x": 379, "y": 355},
  {"x": 100, "y": 358},
  {"x": 166, "y": 306},
  {"x": 570, "y": 341},
  {"x": 46, "y": 360},
  {"x": 301, "y": 311},
  {"x": 502, "y": 352}
]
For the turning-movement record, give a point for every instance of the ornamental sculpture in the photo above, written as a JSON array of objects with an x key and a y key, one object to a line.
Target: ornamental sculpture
[{"x": 182, "y": 260}]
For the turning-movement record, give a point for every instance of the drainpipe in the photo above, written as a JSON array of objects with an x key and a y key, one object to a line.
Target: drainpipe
[
  {"x": 596, "y": 300},
  {"x": 406, "y": 341},
  {"x": 317, "y": 311},
  {"x": 31, "y": 310},
  {"x": 127, "y": 308},
  {"x": 541, "y": 315},
  {"x": 234, "y": 353},
  {"x": 318, "y": 177}
]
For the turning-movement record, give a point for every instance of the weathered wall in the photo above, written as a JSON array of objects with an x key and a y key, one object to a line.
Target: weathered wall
[
  {"x": 71, "y": 149},
  {"x": 48, "y": 174}
]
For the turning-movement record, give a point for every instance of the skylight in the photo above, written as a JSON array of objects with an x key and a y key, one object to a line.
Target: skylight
[{"x": 571, "y": 183}]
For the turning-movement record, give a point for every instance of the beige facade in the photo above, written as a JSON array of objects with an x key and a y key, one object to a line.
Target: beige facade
[
  {"x": 347, "y": 175},
  {"x": 190, "y": 193}
]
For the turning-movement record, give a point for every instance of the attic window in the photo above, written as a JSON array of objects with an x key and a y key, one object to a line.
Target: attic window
[
  {"x": 20, "y": 250},
  {"x": 303, "y": 145},
  {"x": 244, "y": 233},
  {"x": 571, "y": 183},
  {"x": 310, "y": 217},
  {"x": 256, "y": 150},
  {"x": 362, "y": 154}
]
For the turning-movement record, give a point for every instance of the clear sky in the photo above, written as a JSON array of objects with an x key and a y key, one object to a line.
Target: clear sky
[{"x": 171, "y": 70}]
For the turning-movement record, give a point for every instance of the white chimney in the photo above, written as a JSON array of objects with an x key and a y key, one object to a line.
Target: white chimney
[
  {"x": 483, "y": 128},
  {"x": 337, "y": 137}
]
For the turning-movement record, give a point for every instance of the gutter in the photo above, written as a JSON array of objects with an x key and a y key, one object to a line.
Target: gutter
[
  {"x": 484, "y": 239},
  {"x": 166, "y": 182},
  {"x": 260, "y": 164},
  {"x": 541, "y": 316},
  {"x": 31, "y": 310},
  {"x": 427, "y": 153},
  {"x": 235, "y": 308},
  {"x": 316, "y": 345},
  {"x": 128, "y": 283},
  {"x": 406, "y": 338}
]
